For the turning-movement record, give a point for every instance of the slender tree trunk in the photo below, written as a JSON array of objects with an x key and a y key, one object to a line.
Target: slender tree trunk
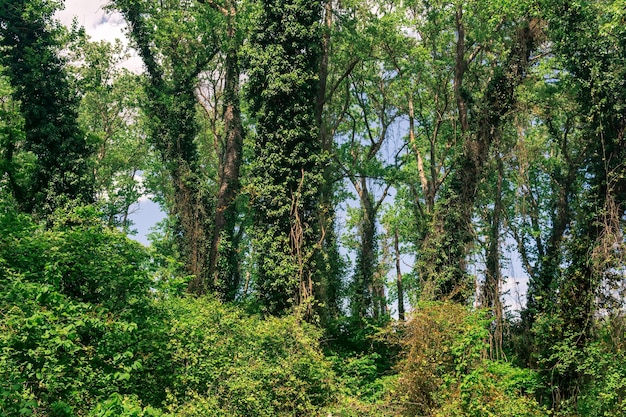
[
  {"x": 428, "y": 188},
  {"x": 491, "y": 294},
  {"x": 328, "y": 279},
  {"x": 399, "y": 286},
  {"x": 226, "y": 279},
  {"x": 368, "y": 286},
  {"x": 363, "y": 286}
]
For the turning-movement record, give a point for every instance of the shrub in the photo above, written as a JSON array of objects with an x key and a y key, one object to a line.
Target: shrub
[
  {"x": 123, "y": 406},
  {"x": 58, "y": 355},
  {"x": 603, "y": 369},
  {"x": 74, "y": 301},
  {"x": 79, "y": 257},
  {"x": 268, "y": 367},
  {"x": 444, "y": 371}
]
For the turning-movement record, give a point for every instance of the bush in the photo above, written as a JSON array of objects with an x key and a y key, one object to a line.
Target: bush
[
  {"x": 249, "y": 366},
  {"x": 603, "y": 370},
  {"x": 123, "y": 406},
  {"x": 74, "y": 301},
  {"x": 56, "y": 354},
  {"x": 79, "y": 257},
  {"x": 444, "y": 371}
]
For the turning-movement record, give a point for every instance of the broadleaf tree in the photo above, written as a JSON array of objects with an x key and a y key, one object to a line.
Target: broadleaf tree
[
  {"x": 54, "y": 153},
  {"x": 284, "y": 56}
]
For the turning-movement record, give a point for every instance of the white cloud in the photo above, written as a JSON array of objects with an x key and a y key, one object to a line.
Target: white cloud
[{"x": 100, "y": 24}]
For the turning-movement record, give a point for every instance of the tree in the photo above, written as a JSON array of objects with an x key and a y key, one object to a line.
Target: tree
[
  {"x": 58, "y": 171},
  {"x": 283, "y": 67},
  {"x": 11, "y": 135},
  {"x": 369, "y": 117},
  {"x": 331, "y": 267},
  {"x": 110, "y": 111},
  {"x": 546, "y": 188},
  {"x": 176, "y": 44},
  {"x": 588, "y": 232},
  {"x": 223, "y": 257},
  {"x": 481, "y": 112}
]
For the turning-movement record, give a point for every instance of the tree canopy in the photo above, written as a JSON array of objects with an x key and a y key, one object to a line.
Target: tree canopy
[{"x": 372, "y": 208}]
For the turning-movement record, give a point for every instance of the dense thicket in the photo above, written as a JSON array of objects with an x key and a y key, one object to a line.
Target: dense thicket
[{"x": 352, "y": 191}]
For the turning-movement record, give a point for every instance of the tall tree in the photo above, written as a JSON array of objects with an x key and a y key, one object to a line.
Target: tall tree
[
  {"x": 223, "y": 256},
  {"x": 32, "y": 59},
  {"x": 490, "y": 295},
  {"x": 331, "y": 267},
  {"x": 284, "y": 62},
  {"x": 419, "y": 53},
  {"x": 368, "y": 120},
  {"x": 110, "y": 112},
  {"x": 588, "y": 42},
  {"x": 176, "y": 42},
  {"x": 547, "y": 186},
  {"x": 11, "y": 135},
  {"x": 481, "y": 113}
]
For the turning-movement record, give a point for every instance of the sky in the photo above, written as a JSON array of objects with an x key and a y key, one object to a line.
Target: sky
[
  {"x": 99, "y": 24},
  {"x": 102, "y": 25}
]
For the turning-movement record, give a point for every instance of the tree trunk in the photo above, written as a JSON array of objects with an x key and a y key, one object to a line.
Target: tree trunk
[
  {"x": 225, "y": 275},
  {"x": 491, "y": 294},
  {"x": 399, "y": 286},
  {"x": 174, "y": 138},
  {"x": 363, "y": 285}
]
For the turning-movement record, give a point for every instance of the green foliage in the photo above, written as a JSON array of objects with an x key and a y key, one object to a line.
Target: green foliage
[
  {"x": 494, "y": 389},
  {"x": 56, "y": 172},
  {"x": 248, "y": 366},
  {"x": 516, "y": 128},
  {"x": 200, "y": 406},
  {"x": 360, "y": 376},
  {"x": 79, "y": 333},
  {"x": 79, "y": 257},
  {"x": 595, "y": 370},
  {"x": 110, "y": 111},
  {"x": 444, "y": 371},
  {"x": 59, "y": 351},
  {"x": 72, "y": 300},
  {"x": 603, "y": 367},
  {"x": 123, "y": 406}
]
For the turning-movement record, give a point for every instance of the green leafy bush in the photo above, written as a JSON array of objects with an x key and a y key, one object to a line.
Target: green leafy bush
[
  {"x": 78, "y": 256},
  {"x": 250, "y": 366},
  {"x": 603, "y": 372},
  {"x": 123, "y": 406},
  {"x": 56, "y": 354},
  {"x": 444, "y": 371},
  {"x": 73, "y": 301}
]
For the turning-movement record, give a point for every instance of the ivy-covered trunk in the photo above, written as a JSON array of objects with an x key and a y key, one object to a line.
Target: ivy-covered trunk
[
  {"x": 171, "y": 107},
  {"x": 284, "y": 61},
  {"x": 442, "y": 263}
]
